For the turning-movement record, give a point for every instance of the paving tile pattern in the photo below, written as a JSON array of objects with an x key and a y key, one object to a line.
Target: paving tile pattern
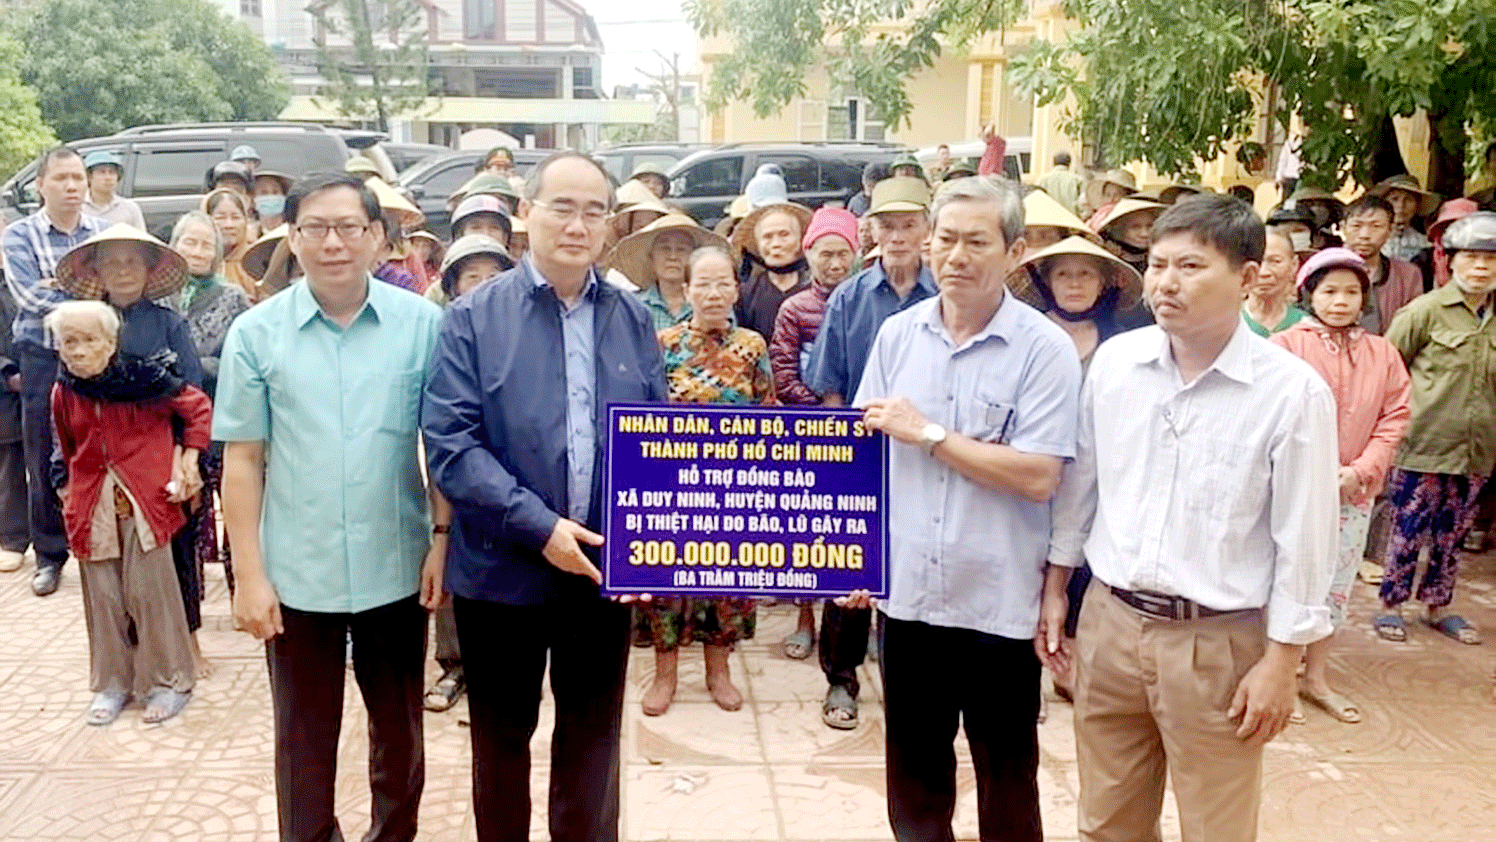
[{"x": 1421, "y": 767}]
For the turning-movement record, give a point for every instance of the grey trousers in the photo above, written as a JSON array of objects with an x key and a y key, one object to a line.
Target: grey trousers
[
  {"x": 448, "y": 652},
  {"x": 15, "y": 525},
  {"x": 140, "y": 588}
]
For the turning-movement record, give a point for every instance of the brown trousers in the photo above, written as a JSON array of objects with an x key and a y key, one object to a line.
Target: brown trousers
[
  {"x": 1151, "y": 697},
  {"x": 140, "y": 589}
]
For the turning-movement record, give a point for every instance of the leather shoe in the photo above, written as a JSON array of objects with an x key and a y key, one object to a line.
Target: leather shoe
[{"x": 45, "y": 581}]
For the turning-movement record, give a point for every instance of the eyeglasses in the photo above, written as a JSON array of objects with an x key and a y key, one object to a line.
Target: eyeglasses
[
  {"x": 565, "y": 212},
  {"x": 320, "y": 230}
]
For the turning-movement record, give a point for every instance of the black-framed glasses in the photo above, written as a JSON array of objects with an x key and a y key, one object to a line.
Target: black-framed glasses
[{"x": 319, "y": 230}]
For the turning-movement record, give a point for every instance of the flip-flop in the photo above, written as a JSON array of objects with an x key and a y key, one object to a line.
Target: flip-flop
[
  {"x": 1455, "y": 627},
  {"x": 838, "y": 698},
  {"x": 1390, "y": 627},
  {"x": 799, "y": 645},
  {"x": 1334, "y": 704},
  {"x": 162, "y": 703},
  {"x": 1371, "y": 573},
  {"x": 105, "y": 708}
]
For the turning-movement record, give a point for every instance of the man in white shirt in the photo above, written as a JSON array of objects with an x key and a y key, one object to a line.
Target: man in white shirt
[{"x": 1204, "y": 496}]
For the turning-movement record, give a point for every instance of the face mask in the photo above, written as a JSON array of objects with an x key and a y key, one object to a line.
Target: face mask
[{"x": 271, "y": 205}]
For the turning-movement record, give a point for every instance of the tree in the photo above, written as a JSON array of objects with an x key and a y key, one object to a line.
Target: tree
[
  {"x": 373, "y": 54},
  {"x": 102, "y": 67},
  {"x": 1167, "y": 81},
  {"x": 23, "y": 133},
  {"x": 665, "y": 87}
]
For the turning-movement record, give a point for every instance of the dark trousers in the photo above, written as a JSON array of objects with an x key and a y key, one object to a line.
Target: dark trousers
[
  {"x": 38, "y": 373},
  {"x": 844, "y": 634},
  {"x": 15, "y": 521},
  {"x": 934, "y": 679},
  {"x": 306, "y": 684},
  {"x": 504, "y": 653}
]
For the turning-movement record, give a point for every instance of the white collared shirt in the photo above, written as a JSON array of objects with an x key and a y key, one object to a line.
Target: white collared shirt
[{"x": 1222, "y": 491}]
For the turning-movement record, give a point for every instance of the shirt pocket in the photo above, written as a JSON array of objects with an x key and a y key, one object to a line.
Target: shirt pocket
[
  {"x": 1220, "y": 478},
  {"x": 1449, "y": 350},
  {"x": 991, "y": 420},
  {"x": 397, "y": 399}
]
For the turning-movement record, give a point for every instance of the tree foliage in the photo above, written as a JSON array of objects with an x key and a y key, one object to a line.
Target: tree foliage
[
  {"x": 1169, "y": 81},
  {"x": 374, "y": 56},
  {"x": 23, "y": 133},
  {"x": 99, "y": 67},
  {"x": 776, "y": 42}
]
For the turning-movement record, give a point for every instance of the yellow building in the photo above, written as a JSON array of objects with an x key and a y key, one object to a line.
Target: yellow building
[
  {"x": 951, "y": 102},
  {"x": 966, "y": 90}
]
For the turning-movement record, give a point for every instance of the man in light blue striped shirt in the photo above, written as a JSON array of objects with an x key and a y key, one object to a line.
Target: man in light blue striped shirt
[
  {"x": 979, "y": 393},
  {"x": 32, "y": 247}
]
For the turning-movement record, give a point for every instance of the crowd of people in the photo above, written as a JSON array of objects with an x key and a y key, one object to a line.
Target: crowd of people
[{"x": 1198, "y": 425}]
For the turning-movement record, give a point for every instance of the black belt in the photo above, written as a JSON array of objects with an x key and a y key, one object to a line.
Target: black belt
[{"x": 1166, "y": 607}]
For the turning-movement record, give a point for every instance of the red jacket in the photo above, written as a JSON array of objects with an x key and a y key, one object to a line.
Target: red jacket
[
  {"x": 795, "y": 328},
  {"x": 135, "y": 439}
]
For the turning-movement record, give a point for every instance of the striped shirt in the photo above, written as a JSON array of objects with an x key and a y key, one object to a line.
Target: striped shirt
[
  {"x": 32, "y": 248},
  {"x": 1222, "y": 490}
]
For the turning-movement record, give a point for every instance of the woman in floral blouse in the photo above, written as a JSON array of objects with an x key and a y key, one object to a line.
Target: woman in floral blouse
[{"x": 708, "y": 360}]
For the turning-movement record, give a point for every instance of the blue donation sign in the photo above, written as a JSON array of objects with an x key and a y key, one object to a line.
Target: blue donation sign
[{"x": 744, "y": 501}]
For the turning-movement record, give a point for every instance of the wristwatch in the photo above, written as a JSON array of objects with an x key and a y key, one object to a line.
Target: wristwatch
[{"x": 930, "y": 436}]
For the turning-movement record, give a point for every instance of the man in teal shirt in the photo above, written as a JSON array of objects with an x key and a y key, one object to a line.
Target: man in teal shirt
[{"x": 319, "y": 403}]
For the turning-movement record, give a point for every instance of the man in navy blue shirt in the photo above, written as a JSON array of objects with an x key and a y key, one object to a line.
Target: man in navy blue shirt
[
  {"x": 854, "y": 312},
  {"x": 514, "y": 417}
]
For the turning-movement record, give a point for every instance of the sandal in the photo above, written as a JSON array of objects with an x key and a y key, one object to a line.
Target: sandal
[
  {"x": 799, "y": 645},
  {"x": 1390, "y": 627},
  {"x": 162, "y": 703},
  {"x": 1334, "y": 704},
  {"x": 1297, "y": 717},
  {"x": 446, "y": 691},
  {"x": 1455, "y": 627},
  {"x": 105, "y": 708},
  {"x": 839, "y": 700},
  {"x": 1371, "y": 573}
]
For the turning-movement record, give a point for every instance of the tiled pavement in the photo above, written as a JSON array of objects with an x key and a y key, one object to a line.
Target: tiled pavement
[{"x": 1421, "y": 767}]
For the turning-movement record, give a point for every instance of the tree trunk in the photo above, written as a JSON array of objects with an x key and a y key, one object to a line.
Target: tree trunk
[
  {"x": 1387, "y": 161},
  {"x": 1446, "y": 154}
]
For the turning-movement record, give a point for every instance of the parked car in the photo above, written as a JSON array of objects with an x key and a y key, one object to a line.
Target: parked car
[
  {"x": 403, "y": 156},
  {"x": 816, "y": 174},
  {"x": 164, "y": 165},
  {"x": 431, "y": 181},
  {"x": 621, "y": 159}
]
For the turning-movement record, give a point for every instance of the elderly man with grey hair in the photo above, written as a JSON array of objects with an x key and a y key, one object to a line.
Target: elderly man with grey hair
[{"x": 979, "y": 393}]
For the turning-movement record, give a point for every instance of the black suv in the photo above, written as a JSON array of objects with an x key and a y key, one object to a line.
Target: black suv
[
  {"x": 815, "y": 174},
  {"x": 432, "y": 180},
  {"x": 621, "y": 159},
  {"x": 164, "y": 165}
]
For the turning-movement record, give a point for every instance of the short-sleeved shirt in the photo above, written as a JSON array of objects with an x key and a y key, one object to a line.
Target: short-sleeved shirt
[
  {"x": 345, "y": 523},
  {"x": 854, "y": 313},
  {"x": 963, "y": 555}
]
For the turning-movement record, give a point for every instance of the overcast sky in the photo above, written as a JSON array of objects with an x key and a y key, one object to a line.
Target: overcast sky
[{"x": 632, "y": 30}]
